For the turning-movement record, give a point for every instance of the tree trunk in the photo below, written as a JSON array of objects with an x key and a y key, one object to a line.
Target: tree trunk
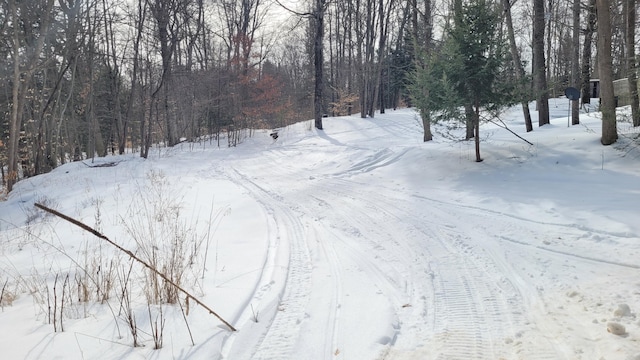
[
  {"x": 632, "y": 65},
  {"x": 586, "y": 53},
  {"x": 426, "y": 125},
  {"x": 469, "y": 120},
  {"x": 539, "y": 68},
  {"x": 517, "y": 63},
  {"x": 136, "y": 66},
  {"x": 608, "y": 106},
  {"x": 21, "y": 80},
  {"x": 476, "y": 127},
  {"x": 16, "y": 118},
  {"x": 575, "y": 65},
  {"x": 384, "y": 19},
  {"x": 426, "y": 44},
  {"x": 164, "y": 13},
  {"x": 318, "y": 62},
  {"x": 111, "y": 60}
]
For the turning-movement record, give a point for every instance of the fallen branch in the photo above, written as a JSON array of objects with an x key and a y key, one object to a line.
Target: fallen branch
[
  {"x": 128, "y": 252},
  {"x": 504, "y": 126}
]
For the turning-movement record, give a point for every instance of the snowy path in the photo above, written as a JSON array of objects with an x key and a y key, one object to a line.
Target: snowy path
[
  {"x": 420, "y": 282},
  {"x": 358, "y": 242}
]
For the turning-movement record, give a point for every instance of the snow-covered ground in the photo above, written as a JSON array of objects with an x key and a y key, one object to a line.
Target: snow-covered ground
[{"x": 356, "y": 242}]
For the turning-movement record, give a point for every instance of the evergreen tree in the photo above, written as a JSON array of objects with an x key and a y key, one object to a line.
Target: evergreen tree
[{"x": 468, "y": 69}]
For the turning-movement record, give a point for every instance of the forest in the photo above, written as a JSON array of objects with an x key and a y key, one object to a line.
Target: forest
[{"x": 88, "y": 78}]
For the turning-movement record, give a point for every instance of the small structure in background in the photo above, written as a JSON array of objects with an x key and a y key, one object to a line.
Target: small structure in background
[
  {"x": 594, "y": 88},
  {"x": 622, "y": 92}
]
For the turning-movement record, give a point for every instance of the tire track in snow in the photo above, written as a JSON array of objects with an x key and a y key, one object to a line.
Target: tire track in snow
[
  {"x": 469, "y": 316},
  {"x": 481, "y": 210},
  {"x": 333, "y": 344},
  {"x": 403, "y": 268},
  {"x": 485, "y": 310},
  {"x": 415, "y": 262},
  {"x": 566, "y": 253},
  {"x": 379, "y": 159},
  {"x": 283, "y": 332}
]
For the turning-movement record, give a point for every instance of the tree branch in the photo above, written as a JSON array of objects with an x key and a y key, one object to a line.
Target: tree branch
[
  {"x": 128, "y": 252},
  {"x": 305, "y": 14},
  {"x": 504, "y": 126}
]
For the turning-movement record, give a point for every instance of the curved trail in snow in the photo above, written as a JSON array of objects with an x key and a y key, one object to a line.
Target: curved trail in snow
[
  {"x": 421, "y": 282},
  {"x": 292, "y": 285}
]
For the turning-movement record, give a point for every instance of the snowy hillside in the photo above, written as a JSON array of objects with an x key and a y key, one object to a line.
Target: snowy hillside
[{"x": 356, "y": 242}]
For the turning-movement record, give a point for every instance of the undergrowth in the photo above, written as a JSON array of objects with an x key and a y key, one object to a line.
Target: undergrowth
[{"x": 96, "y": 278}]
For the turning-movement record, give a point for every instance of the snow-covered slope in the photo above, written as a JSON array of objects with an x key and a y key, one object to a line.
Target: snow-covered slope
[{"x": 356, "y": 242}]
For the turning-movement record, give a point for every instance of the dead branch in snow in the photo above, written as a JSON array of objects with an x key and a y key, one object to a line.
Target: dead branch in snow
[
  {"x": 502, "y": 124},
  {"x": 128, "y": 252}
]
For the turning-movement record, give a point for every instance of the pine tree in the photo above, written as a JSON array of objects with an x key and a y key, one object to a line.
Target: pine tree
[{"x": 468, "y": 69}]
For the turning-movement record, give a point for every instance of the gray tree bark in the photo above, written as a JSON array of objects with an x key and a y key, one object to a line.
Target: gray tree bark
[
  {"x": 575, "y": 61},
  {"x": 539, "y": 68},
  {"x": 425, "y": 43},
  {"x": 632, "y": 65},
  {"x": 586, "y": 53},
  {"x": 517, "y": 62},
  {"x": 607, "y": 106},
  {"x": 21, "y": 79},
  {"x": 318, "y": 62}
]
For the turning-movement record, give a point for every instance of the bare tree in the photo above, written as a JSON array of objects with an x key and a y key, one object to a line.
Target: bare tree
[
  {"x": 575, "y": 61},
  {"x": 138, "y": 20},
  {"x": 608, "y": 106},
  {"x": 422, "y": 19},
  {"x": 539, "y": 67},
  {"x": 23, "y": 69},
  {"x": 316, "y": 16},
  {"x": 318, "y": 60},
  {"x": 517, "y": 62},
  {"x": 586, "y": 52},
  {"x": 632, "y": 65},
  {"x": 167, "y": 16}
]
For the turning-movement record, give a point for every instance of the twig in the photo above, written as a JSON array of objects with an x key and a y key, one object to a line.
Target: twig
[
  {"x": 64, "y": 285},
  {"x": 294, "y": 12},
  {"x": 184, "y": 316},
  {"x": 128, "y": 252},
  {"x": 504, "y": 126},
  {"x": 55, "y": 304},
  {"x": 2, "y": 292}
]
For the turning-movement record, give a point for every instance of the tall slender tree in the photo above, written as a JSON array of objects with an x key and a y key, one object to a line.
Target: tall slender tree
[
  {"x": 608, "y": 105},
  {"x": 421, "y": 19},
  {"x": 586, "y": 53},
  {"x": 27, "y": 44},
  {"x": 318, "y": 61},
  {"x": 575, "y": 60},
  {"x": 632, "y": 63},
  {"x": 539, "y": 67},
  {"x": 517, "y": 63}
]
